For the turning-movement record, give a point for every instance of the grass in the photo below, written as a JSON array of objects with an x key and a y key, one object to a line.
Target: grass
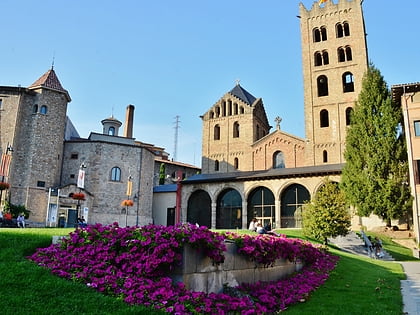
[{"x": 358, "y": 285}]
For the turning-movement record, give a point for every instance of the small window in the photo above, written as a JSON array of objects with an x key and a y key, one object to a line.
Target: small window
[
  {"x": 236, "y": 163},
  {"x": 278, "y": 160},
  {"x": 346, "y": 29},
  {"x": 74, "y": 156},
  {"x": 348, "y": 82},
  {"x": 216, "y": 165},
  {"x": 236, "y": 130},
  {"x": 323, "y": 33},
  {"x": 235, "y": 108},
  {"x": 241, "y": 110},
  {"x": 43, "y": 109},
  {"x": 224, "y": 109},
  {"x": 216, "y": 132},
  {"x": 325, "y": 156},
  {"x": 323, "y": 118},
  {"x": 417, "y": 128},
  {"x": 229, "y": 107},
  {"x": 318, "y": 59},
  {"x": 349, "y": 112},
  {"x": 211, "y": 115},
  {"x": 40, "y": 183},
  {"x": 72, "y": 176},
  {"x": 339, "y": 30},
  {"x": 115, "y": 174},
  {"x": 341, "y": 54},
  {"x": 35, "y": 109},
  {"x": 217, "y": 111},
  {"x": 111, "y": 131},
  {"x": 317, "y": 35},
  {"x": 322, "y": 83},
  {"x": 349, "y": 55}
]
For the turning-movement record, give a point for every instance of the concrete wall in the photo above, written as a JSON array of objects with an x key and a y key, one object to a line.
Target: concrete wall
[{"x": 199, "y": 274}]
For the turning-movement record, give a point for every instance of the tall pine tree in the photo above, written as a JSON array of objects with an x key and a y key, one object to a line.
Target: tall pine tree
[{"x": 375, "y": 176}]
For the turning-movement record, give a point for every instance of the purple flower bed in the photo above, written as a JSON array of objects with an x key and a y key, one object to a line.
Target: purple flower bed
[{"x": 133, "y": 263}]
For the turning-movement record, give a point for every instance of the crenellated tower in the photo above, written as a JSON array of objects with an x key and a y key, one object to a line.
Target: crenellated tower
[{"x": 334, "y": 60}]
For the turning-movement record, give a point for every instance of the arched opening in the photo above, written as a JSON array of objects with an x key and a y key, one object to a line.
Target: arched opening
[
  {"x": 348, "y": 82},
  {"x": 323, "y": 33},
  {"x": 216, "y": 132},
  {"x": 199, "y": 208},
  {"x": 341, "y": 54},
  {"x": 115, "y": 174},
  {"x": 278, "y": 160},
  {"x": 229, "y": 210},
  {"x": 346, "y": 27},
  {"x": 292, "y": 201},
  {"x": 261, "y": 206},
  {"x": 316, "y": 35},
  {"x": 324, "y": 118},
  {"x": 43, "y": 109},
  {"x": 216, "y": 165},
  {"x": 325, "y": 58},
  {"x": 318, "y": 59},
  {"x": 236, "y": 163},
  {"x": 111, "y": 131},
  {"x": 325, "y": 156},
  {"x": 322, "y": 84},
  {"x": 339, "y": 30},
  {"x": 349, "y": 55},
  {"x": 236, "y": 129},
  {"x": 349, "y": 112}
]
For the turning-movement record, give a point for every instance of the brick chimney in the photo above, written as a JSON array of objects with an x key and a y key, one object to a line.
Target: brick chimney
[{"x": 129, "y": 117}]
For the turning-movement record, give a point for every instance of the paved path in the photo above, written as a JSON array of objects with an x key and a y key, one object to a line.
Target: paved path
[{"x": 410, "y": 288}]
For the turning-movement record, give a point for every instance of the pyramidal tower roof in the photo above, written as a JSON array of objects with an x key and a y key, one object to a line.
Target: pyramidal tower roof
[
  {"x": 50, "y": 80},
  {"x": 243, "y": 94}
]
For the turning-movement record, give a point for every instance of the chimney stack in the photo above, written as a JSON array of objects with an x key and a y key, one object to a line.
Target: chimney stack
[{"x": 129, "y": 117}]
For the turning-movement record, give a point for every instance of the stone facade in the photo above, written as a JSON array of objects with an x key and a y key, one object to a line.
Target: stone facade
[{"x": 334, "y": 60}]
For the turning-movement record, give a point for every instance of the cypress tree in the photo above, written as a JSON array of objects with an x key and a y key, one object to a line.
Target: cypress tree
[{"x": 375, "y": 176}]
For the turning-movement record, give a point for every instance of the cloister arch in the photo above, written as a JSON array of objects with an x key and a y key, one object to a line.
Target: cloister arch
[
  {"x": 199, "y": 208},
  {"x": 292, "y": 199},
  {"x": 261, "y": 205},
  {"x": 229, "y": 209}
]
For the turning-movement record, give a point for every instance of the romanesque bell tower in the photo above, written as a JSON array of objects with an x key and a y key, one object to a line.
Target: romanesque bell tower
[{"x": 334, "y": 60}]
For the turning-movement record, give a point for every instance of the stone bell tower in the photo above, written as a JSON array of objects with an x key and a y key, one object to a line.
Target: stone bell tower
[{"x": 334, "y": 60}]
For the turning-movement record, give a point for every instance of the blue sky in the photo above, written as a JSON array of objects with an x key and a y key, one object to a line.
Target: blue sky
[{"x": 171, "y": 58}]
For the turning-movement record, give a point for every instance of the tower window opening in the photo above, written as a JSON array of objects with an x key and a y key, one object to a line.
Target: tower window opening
[
  {"x": 216, "y": 165},
  {"x": 349, "y": 111},
  {"x": 348, "y": 82},
  {"x": 325, "y": 156},
  {"x": 236, "y": 163},
  {"x": 216, "y": 132},
  {"x": 236, "y": 130},
  {"x": 322, "y": 84},
  {"x": 324, "y": 119}
]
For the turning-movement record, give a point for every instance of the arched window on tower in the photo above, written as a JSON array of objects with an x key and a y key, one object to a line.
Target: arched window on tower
[
  {"x": 216, "y": 132},
  {"x": 236, "y": 163},
  {"x": 216, "y": 165},
  {"x": 278, "y": 160},
  {"x": 211, "y": 115},
  {"x": 349, "y": 55},
  {"x": 325, "y": 58},
  {"x": 322, "y": 84},
  {"x": 43, "y": 109},
  {"x": 324, "y": 119},
  {"x": 217, "y": 111},
  {"x": 223, "y": 108},
  {"x": 229, "y": 107},
  {"x": 317, "y": 59},
  {"x": 349, "y": 112},
  {"x": 341, "y": 54},
  {"x": 325, "y": 156},
  {"x": 346, "y": 27},
  {"x": 317, "y": 35},
  {"x": 323, "y": 33},
  {"x": 348, "y": 82},
  {"x": 236, "y": 129},
  {"x": 235, "y": 108},
  {"x": 339, "y": 30},
  {"x": 241, "y": 110},
  {"x": 111, "y": 131}
]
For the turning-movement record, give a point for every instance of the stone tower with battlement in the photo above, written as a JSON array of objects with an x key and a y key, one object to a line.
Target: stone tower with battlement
[{"x": 334, "y": 60}]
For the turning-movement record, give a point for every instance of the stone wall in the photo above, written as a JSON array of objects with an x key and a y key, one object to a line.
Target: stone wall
[{"x": 199, "y": 274}]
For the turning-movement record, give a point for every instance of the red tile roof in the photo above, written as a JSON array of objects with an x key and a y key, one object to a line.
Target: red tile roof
[{"x": 49, "y": 80}]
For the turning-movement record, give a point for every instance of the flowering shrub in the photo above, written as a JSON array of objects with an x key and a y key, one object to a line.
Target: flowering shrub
[
  {"x": 78, "y": 196},
  {"x": 4, "y": 185},
  {"x": 127, "y": 203},
  {"x": 134, "y": 263}
]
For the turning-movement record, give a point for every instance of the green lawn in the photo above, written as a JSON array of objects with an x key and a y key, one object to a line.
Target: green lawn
[{"x": 358, "y": 285}]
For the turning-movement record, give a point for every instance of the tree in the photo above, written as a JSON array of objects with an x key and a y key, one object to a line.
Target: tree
[
  {"x": 327, "y": 214},
  {"x": 162, "y": 174},
  {"x": 16, "y": 210},
  {"x": 375, "y": 176}
]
